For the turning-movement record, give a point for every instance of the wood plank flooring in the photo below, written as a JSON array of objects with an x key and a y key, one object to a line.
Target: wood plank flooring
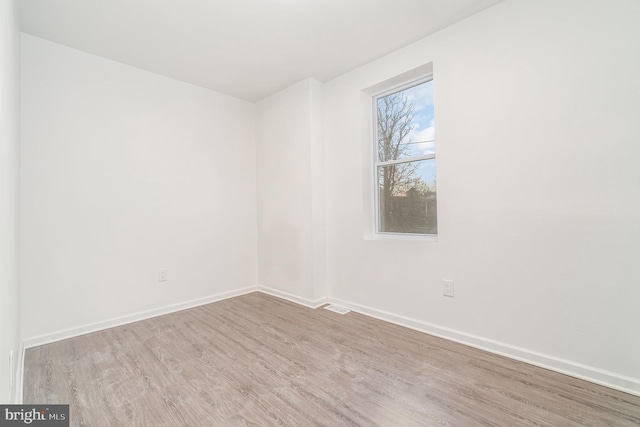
[{"x": 257, "y": 360}]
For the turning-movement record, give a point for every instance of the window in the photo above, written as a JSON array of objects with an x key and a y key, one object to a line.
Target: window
[{"x": 405, "y": 161}]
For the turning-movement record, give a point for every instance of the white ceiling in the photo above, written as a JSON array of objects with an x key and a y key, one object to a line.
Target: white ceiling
[{"x": 245, "y": 48}]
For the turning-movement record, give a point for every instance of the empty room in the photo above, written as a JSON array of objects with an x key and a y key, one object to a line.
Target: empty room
[{"x": 320, "y": 212}]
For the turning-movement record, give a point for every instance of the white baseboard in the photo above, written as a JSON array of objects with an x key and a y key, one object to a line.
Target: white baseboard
[
  {"x": 588, "y": 373},
  {"x": 307, "y": 302},
  {"x": 595, "y": 375},
  {"x": 119, "y": 321}
]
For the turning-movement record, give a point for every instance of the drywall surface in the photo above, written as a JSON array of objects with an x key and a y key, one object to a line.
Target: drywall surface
[
  {"x": 9, "y": 199},
  {"x": 124, "y": 173},
  {"x": 537, "y": 138},
  {"x": 291, "y": 191},
  {"x": 317, "y": 168}
]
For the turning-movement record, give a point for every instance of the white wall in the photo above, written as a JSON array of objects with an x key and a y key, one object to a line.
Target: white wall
[
  {"x": 537, "y": 106},
  {"x": 125, "y": 172},
  {"x": 9, "y": 200},
  {"x": 538, "y": 143},
  {"x": 291, "y": 236}
]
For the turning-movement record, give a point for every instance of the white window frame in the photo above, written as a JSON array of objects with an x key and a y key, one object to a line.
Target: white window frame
[{"x": 386, "y": 235}]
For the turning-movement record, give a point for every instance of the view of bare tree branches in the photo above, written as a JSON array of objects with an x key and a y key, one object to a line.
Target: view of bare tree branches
[{"x": 395, "y": 122}]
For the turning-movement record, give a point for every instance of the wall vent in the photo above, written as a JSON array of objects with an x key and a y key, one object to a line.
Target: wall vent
[{"x": 337, "y": 309}]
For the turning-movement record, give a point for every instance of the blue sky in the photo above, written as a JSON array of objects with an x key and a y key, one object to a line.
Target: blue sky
[
  {"x": 422, "y": 136},
  {"x": 421, "y": 139}
]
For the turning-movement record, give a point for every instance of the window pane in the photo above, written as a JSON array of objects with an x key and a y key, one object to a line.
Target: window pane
[
  {"x": 405, "y": 123},
  {"x": 407, "y": 197}
]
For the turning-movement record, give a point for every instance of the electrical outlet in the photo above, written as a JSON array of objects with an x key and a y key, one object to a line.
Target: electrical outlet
[
  {"x": 447, "y": 288},
  {"x": 163, "y": 275}
]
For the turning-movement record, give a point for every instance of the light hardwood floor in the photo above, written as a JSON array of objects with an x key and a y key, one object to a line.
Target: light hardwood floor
[{"x": 257, "y": 360}]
